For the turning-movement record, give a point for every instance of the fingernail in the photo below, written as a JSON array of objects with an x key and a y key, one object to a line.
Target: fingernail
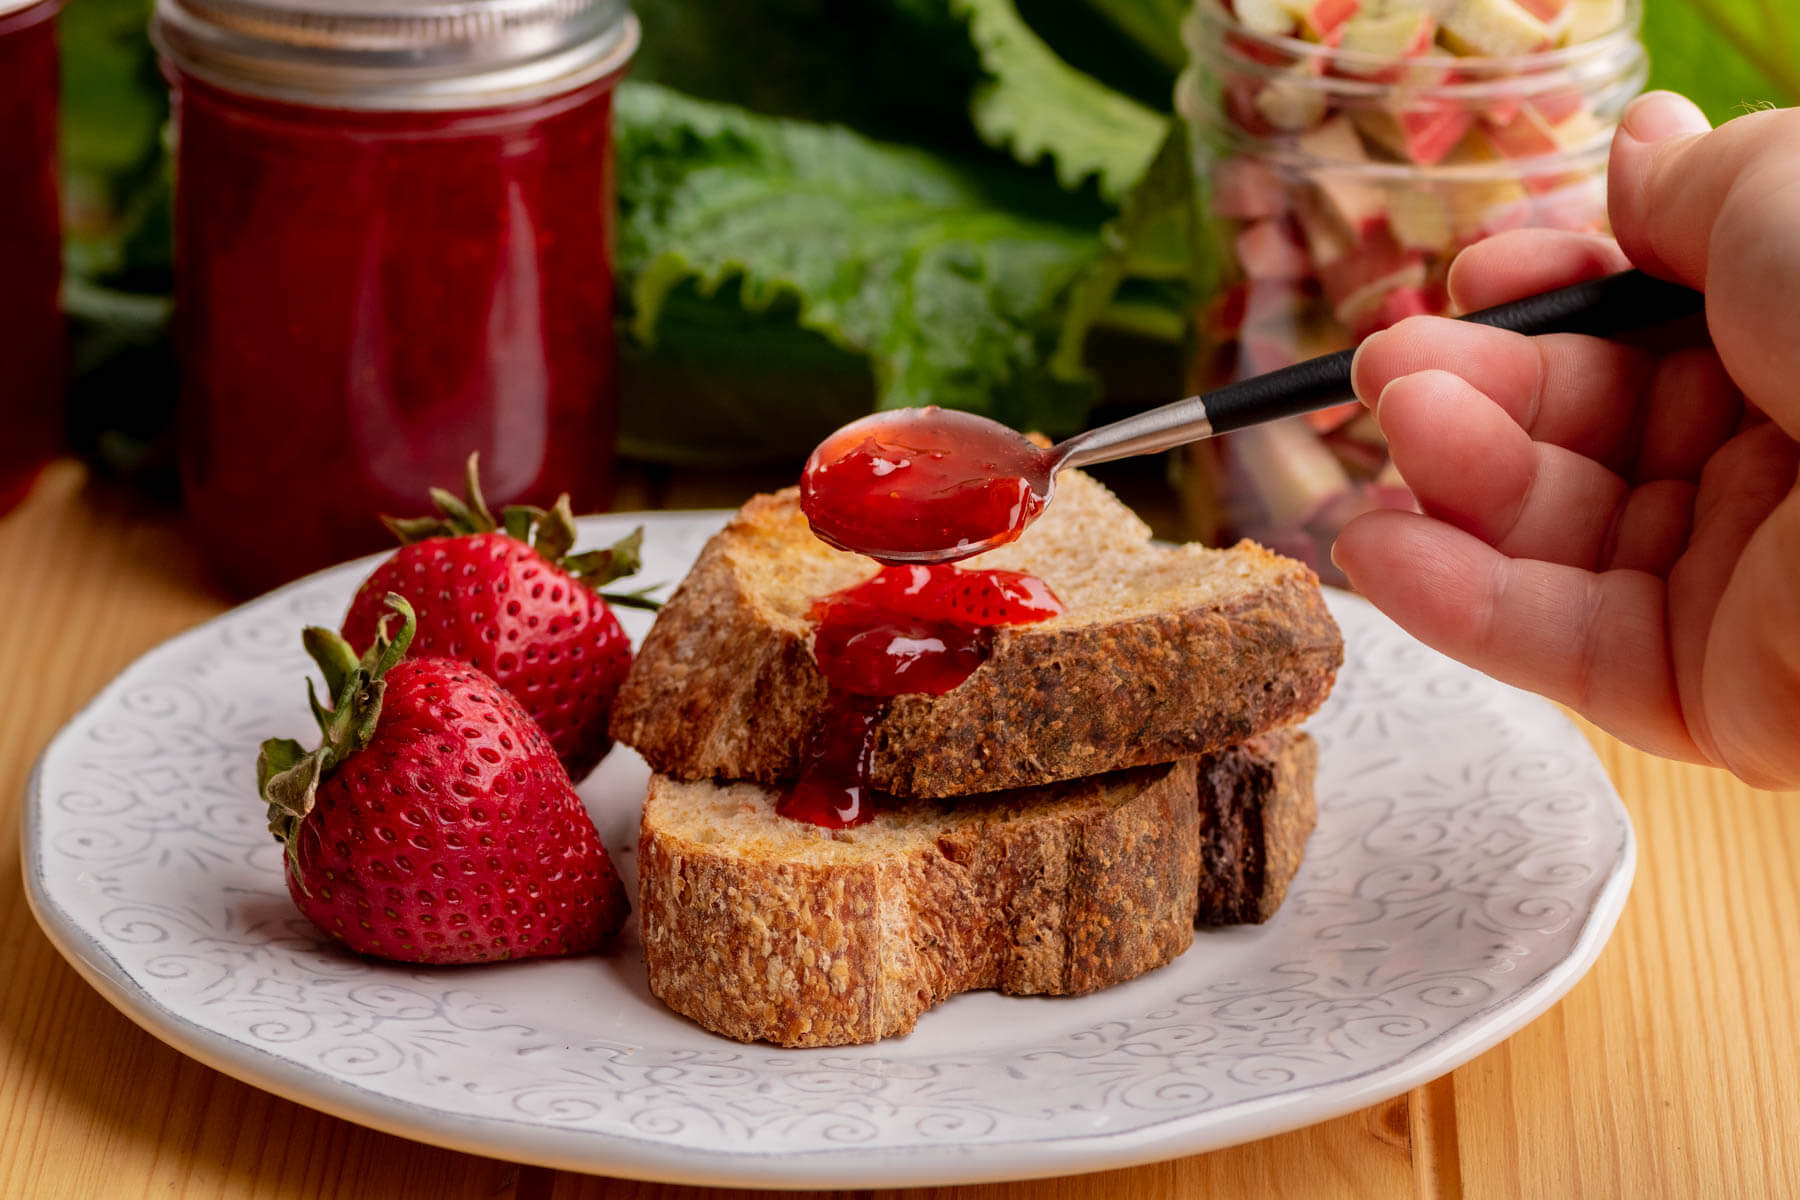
[
  {"x": 1355, "y": 364},
  {"x": 1655, "y": 116}
]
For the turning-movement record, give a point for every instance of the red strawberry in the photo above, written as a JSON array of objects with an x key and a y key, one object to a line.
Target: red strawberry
[
  {"x": 508, "y": 598},
  {"x": 434, "y": 824}
]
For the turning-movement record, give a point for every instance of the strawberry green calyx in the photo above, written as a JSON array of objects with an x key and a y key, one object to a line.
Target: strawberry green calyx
[
  {"x": 288, "y": 774},
  {"x": 551, "y": 532}
]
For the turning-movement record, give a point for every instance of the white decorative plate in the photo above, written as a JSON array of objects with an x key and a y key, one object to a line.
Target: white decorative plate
[{"x": 1470, "y": 860}]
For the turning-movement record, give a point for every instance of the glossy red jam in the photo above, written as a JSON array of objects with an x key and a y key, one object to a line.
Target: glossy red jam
[
  {"x": 31, "y": 324},
  {"x": 915, "y": 629},
  {"x": 923, "y": 482},
  {"x": 365, "y": 297}
]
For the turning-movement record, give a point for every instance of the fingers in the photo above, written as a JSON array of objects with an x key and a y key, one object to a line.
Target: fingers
[
  {"x": 1733, "y": 599},
  {"x": 1752, "y": 679},
  {"x": 1598, "y": 643},
  {"x": 1642, "y": 417},
  {"x": 1580, "y": 393},
  {"x": 1469, "y": 464},
  {"x": 1525, "y": 262},
  {"x": 1651, "y": 529},
  {"x": 1720, "y": 210},
  {"x": 1666, "y": 182},
  {"x": 1693, "y": 408}
]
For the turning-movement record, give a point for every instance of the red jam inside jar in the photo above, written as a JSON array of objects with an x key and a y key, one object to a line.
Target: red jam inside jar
[
  {"x": 365, "y": 295},
  {"x": 31, "y": 323},
  {"x": 906, "y": 630}
]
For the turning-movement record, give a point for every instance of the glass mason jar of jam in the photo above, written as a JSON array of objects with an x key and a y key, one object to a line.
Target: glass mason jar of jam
[
  {"x": 1346, "y": 151},
  {"x": 31, "y": 323},
  {"x": 393, "y": 231}
]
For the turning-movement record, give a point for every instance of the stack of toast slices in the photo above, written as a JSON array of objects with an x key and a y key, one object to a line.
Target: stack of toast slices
[{"x": 1060, "y": 822}]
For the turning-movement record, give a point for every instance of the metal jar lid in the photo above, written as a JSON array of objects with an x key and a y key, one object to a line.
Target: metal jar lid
[
  {"x": 9, "y": 7},
  {"x": 396, "y": 54}
]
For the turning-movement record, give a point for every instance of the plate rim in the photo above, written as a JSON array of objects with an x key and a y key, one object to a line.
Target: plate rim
[{"x": 647, "y": 1159}]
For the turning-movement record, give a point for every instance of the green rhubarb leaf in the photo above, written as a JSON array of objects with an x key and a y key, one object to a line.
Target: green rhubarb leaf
[
  {"x": 1039, "y": 107},
  {"x": 946, "y": 276},
  {"x": 1149, "y": 239},
  {"x": 1728, "y": 56}
]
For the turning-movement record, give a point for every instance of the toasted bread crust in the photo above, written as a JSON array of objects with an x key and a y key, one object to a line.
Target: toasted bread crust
[
  {"x": 1257, "y": 809},
  {"x": 1055, "y": 894},
  {"x": 765, "y": 930},
  {"x": 725, "y": 685}
]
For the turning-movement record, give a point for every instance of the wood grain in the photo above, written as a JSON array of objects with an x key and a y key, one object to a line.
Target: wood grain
[{"x": 1670, "y": 1070}]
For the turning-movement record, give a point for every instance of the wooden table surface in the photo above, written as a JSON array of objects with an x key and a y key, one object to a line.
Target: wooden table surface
[{"x": 1670, "y": 1070}]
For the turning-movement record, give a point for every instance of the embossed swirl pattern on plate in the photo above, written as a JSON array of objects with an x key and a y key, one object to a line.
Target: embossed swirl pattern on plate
[{"x": 1465, "y": 834}]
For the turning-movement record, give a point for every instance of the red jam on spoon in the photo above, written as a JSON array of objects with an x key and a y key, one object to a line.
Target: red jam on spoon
[
  {"x": 924, "y": 485},
  {"x": 909, "y": 629}
]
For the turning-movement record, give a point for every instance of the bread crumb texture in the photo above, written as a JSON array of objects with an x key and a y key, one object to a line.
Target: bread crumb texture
[
  {"x": 766, "y": 929},
  {"x": 1165, "y": 652}
]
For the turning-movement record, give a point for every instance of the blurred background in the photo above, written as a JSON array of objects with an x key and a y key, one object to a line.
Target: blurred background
[{"x": 824, "y": 208}]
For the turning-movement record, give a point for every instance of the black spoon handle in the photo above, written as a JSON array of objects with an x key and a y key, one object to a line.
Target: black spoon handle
[{"x": 1604, "y": 307}]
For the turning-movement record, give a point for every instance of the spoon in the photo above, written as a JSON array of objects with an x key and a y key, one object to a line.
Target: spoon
[{"x": 933, "y": 485}]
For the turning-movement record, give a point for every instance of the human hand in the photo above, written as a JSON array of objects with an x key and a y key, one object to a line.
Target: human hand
[{"x": 1617, "y": 528}]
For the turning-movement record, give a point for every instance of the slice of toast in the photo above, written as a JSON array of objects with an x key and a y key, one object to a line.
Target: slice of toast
[
  {"x": 1164, "y": 653},
  {"x": 765, "y": 929}
]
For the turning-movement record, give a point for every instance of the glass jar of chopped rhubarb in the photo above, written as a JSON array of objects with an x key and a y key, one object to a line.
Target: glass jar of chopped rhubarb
[
  {"x": 31, "y": 324},
  {"x": 393, "y": 232},
  {"x": 1346, "y": 151}
]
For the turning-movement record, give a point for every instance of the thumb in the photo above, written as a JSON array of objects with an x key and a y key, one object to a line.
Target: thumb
[
  {"x": 1719, "y": 210},
  {"x": 1652, "y": 168}
]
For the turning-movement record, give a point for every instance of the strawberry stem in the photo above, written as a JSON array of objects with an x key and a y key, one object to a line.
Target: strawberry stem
[
  {"x": 287, "y": 774},
  {"x": 551, "y": 532}
]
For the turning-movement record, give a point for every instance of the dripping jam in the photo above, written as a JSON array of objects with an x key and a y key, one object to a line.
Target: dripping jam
[{"x": 906, "y": 630}]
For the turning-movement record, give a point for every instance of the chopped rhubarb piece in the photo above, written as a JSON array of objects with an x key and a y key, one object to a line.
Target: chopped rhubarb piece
[
  {"x": 1420, "y": 219},
  {"x": 1360, "y": 208},
  {"x": 1394, "y": 306},
  {"x": 1334, "y": 141},
  {"x": 1320, "y": 20},
  {"x": 1545, "y": 10},
  {"x": 1559, "y": 105},
  {"x": 1292, "y": 102},
  {"x": 1289, "y": 474},
  {"x": 1481, "y": 207},
  {"x": 1515, "y": 214},
  {"x": 1387, "y": 38},
  {"x": 1423, "y": 134},
  {"x": 1247, "y": 189},
  {"x": 1285, "y": 302},
  {"x": 1356, "y": 283},
  {"x": 1241, "y": 92},
  {"x": 1579, "y": 204},
  {"x": 1263, "y": 350},
  {"x": 1589, "y": 19},
  {"x": 1326, "y": 237},
  {"x": 1267, "y": 17},
  {"x": 1271, "y": 250},
  {"x": 1356, "y": 207},
  {"x": 1493, "y": 29},
  {"x": 1260, "y": 52},
  {"x": 1529, "y": 134},
  {"x": 1304, "y": 331}
]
